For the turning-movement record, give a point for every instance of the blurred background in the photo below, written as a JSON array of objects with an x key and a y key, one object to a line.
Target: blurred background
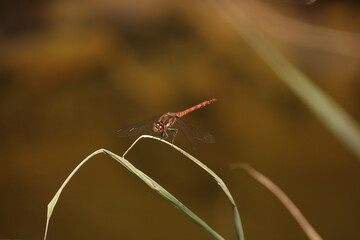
[{"x": 72, "y": 72}]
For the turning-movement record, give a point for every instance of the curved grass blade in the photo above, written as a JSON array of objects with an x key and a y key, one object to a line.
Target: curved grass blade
[
  {"x": 237, "y": 221},
  {"x": 54, "y": 200},
  {"x": 150, "y": 182}
]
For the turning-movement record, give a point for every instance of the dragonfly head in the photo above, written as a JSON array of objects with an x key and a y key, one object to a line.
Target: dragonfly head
[{"x": 158, "y": 127}]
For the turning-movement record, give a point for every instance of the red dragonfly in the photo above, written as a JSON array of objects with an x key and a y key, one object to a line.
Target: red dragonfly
[{"x": 173, "y": 122}]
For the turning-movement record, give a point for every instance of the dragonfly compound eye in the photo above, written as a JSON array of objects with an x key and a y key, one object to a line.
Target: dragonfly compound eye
[{"x": 158, "y": 127}]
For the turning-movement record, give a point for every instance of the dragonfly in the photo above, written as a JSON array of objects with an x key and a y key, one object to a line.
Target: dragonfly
[{"x": 170, "y": 122}]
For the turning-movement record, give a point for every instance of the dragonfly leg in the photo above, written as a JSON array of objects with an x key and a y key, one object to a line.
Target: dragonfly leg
[
  {"x": 175, "y": 130},
  {"x": 164, "y": 135}
]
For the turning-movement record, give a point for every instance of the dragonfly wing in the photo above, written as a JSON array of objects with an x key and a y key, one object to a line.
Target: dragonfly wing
[
  {"x": 144, "y": 127},
  {"x": 205, "y": 136},
  {"x": 189, "y": 129},
  {"x": 182, "y": 127}
]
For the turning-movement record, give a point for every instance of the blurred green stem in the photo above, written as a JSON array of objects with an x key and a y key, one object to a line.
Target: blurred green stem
[{"x": 331, "y": 114}]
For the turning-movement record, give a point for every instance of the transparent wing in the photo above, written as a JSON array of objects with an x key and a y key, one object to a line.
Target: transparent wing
[
  {"x": 144, "y": 127},
  {"x": 190, "y": 130},
  {"x": 182, "y": 127}
]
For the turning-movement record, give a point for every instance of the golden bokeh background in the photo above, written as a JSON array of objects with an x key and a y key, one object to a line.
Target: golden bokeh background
[{"x": 72, "y": 72}]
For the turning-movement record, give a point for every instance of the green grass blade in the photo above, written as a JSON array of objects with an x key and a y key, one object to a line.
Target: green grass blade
[
  {"x": 164, "y": 193},
  {"x": 331, "y": 114},
  {"x": 54, "y": 200},
  {"x": 237, "y": 220},
  {"x": 150, "y": 182}
]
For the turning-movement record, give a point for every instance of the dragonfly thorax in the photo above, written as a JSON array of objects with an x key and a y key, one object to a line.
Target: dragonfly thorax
[{"x": 166, "y": 121}]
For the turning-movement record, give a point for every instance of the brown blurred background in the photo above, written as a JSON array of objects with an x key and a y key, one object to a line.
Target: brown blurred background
[{"x": 74, "y": 71}]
